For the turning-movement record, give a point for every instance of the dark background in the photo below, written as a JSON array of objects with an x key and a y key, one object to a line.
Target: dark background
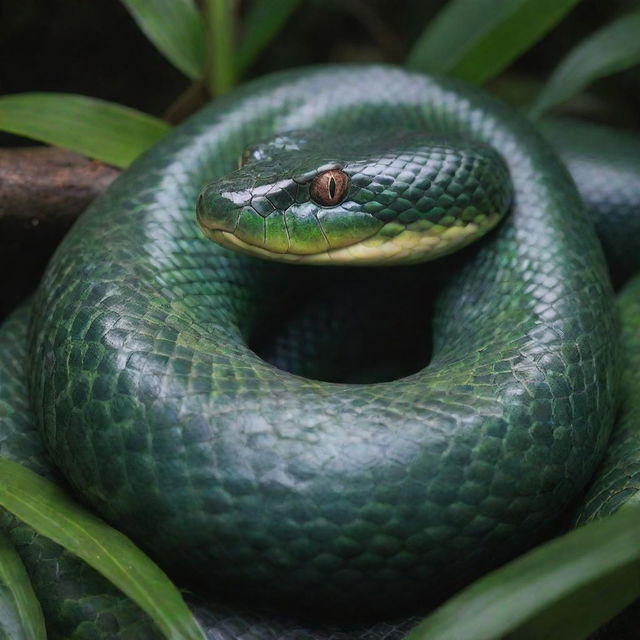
[{"x": 94, "y": 47}]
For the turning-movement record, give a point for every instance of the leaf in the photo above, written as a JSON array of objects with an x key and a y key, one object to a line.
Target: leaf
[
  {"x": 264, "y": 20},
  {"x": 613, "y": 48},
  {"x": 220, "y": 24},
  {"x": 476, "y": 39},
  {"x": 52, "y": 513},
  {"x": 562, "y": 590},
  {"x": 20, "y": 613},
  {"x": 176, "y": 28},
  {"x": 103, "y": 130}
]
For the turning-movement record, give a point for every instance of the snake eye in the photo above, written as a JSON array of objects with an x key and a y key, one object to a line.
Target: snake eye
[{"x": 329, "y": 188}]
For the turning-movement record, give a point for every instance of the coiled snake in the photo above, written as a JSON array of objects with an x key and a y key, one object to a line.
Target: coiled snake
[{"x": 272, "y": 486}]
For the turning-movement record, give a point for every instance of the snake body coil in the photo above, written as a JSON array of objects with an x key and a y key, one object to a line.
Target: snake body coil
[{"x": 269, "y": 484}]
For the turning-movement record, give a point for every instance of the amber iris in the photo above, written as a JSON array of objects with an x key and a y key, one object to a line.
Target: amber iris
[{"x": 329, "y": 188}]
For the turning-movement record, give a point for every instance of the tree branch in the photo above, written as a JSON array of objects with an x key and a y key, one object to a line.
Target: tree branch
[{"x": 42, "y": 191}]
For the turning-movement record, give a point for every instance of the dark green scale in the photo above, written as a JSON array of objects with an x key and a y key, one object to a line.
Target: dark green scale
[{"x": 275, "y": 487}]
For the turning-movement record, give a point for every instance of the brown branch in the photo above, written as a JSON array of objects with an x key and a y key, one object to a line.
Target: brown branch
[
  {"x": 45, "y": 185},
  {"x": 42, "y": 191}
]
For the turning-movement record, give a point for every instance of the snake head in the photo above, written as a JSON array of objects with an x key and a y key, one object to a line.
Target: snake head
[{"x": 356, "y": 199}]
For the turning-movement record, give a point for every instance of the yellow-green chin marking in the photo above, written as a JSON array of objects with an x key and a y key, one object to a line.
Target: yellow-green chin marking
[{"x": 407, "y": 247}]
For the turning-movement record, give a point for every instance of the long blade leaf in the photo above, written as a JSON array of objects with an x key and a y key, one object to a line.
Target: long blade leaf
[
  {"x": 20, "y": 613},
  {"x": 52, "y": 513},
  {"x": 562, "y": 590},
  {"x": 613, "y": 48},
  {"x": 103, "y": 130},
  {"x": 176, "y": 28},
  {"x": 477, "y": 39},
  {"x": 263, "y": 22}
]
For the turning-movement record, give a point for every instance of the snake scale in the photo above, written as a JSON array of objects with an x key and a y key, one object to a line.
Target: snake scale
[{"x": 326, "y": 498}]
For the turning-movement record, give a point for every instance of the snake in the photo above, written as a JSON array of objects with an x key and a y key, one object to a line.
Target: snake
[{"x": 341, "y": 343}]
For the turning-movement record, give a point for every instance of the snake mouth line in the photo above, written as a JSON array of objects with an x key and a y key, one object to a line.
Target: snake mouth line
[
  {"x": 408, "y": 247},
  {"x": 231, "y": 241}
]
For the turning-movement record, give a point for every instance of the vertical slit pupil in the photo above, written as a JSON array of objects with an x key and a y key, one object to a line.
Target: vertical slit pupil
[{"x": 332, "y": 187}]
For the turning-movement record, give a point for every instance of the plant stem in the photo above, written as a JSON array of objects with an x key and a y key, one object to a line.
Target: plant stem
[
  {"x": 188, "y": 102},
  {"x": 220, "y": 24}
]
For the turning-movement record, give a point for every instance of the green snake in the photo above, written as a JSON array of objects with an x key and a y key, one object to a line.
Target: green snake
[{"x": 231, "y": 414}]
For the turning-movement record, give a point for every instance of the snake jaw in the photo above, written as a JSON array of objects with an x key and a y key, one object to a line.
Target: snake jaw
[{"x": 406, "y": 248}]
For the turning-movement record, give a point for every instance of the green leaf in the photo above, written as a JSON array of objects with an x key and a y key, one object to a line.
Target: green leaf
[
  {"x": 20, "y": 613},
  {"x": 98, "y": 129},
  {"x": 562, "y": 590},
  {"x": 264, "y": 20},
  {"x": 52, "y": 513},
  {"x": 477, "y": 39},
  {"x": 613, "y": 48},
  {"x": 176, "y": 28},
  {"x": 221, "y": 66}
]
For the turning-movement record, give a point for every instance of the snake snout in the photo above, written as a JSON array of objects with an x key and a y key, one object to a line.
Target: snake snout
[{"x": 217, "y": 211}]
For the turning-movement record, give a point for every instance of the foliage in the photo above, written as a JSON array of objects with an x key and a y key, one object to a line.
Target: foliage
[
  {"x": 563, "y": 590},
  {"x": 110, "y": 132},
  {"x": 176, "y": 28},
  {"x": 613, "y": 48},
  {"x": 477, "y": 40},
  {"x": 20, "y": 614},
  {"x": 53, "y": 513},
  {"x": 472, "y": 40}
]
